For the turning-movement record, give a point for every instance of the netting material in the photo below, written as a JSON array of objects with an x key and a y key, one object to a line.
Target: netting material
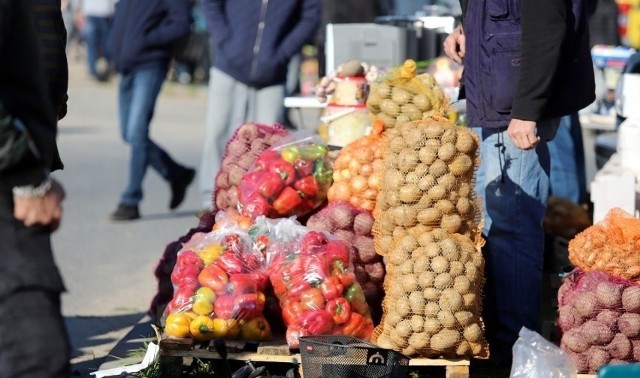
[{"x": 610, "y": 245}]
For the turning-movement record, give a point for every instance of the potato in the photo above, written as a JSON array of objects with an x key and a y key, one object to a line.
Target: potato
[
  {"x": 411, "y": 111},
  {"x": 405, "y": 215},
  {"x": 631, "y": 299},
  {"x": 431, "y": 294},
  {"x": 403, "y": 328},
  {"x": 465, "y": 142},
  {"x": 607, "y": 317},
  {"x": 575, "y": 341},
  {"x": 439, "y": 264},
  {"x": 407, "y": 160},
  {"x": 461, "y": 284},
  {"x": 397, "y": 256},
  {"x": 456, "y": 268},
  {"x": 409, "y": 193},
  {"x": 400, "y": 95},
  {"x": 392, "y": 318},
  {"x": 463, "y": 206},
  {"x": 431, "y": 309},
  {"x": 396, "y": 290},
  {"x": 402, "y": 306},
  {"x": 376, "y": 272},
  {"x": 448, "y": 181},
  {"x": 425, "y": 279},
  {"x": 429, "y": 216},
  {"x": 587, "y": 305},
  {"x": 365, "y": 248},
  {"x": 451, "y": 222},
  {"x": 390, "y": 107},
  {"x": 464, "y": 318},
  {"x": 422, "y": 101},
  {"x": 439, "y": 168},
  {"x": 596, "y": 333},
  {"x": 597, "y": 358},
  {"x": 469, "y": 300},
  {"x": 471, "y": 271},
  {"x": 419, "y": 340},
  {"x": 460, "y": 165},
  {"x": 446, "y": 318},
  {"x": 417, "y": 302},
  {"x": 472, "y": 333},
  {"x": 609, "y": 294},
  {"x": 428, "y": 154},
  {"x": 443, "y": 281},
  {"x": 426, "y": 182},
  {"x": 629, "y": 324},
  {"x": 620, "y": 347},
  {"x": 450, "y": 300},
  {"x": 444, "y": 340},
  {"x": 409, "y": 282},
  {"x": 445, "y": 206},
  {"x": 449, "y": 249},
  {"x": 420, "y": 265},
  {"x": 446, "y": 151},
  {"x": 434, "y": 130},
  {"x": 437, "y": 192},
  {"x": 405, "y": 268},
  {"x": 393, "y": 179}
]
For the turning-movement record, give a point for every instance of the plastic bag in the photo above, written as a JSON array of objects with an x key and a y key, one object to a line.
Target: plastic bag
[
  {"x": 312, "y": 276},
  {"x": 289, "y": 179},
  {"x": 219, "y": 286},
  {"x": 535, "y": 357}
]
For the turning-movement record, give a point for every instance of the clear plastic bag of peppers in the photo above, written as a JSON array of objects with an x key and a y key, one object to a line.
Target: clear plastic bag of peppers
[
  {"x": 313, "y": 278},
  {"x": 289, "y": 179},
  {"x": 219, "y": 286}
]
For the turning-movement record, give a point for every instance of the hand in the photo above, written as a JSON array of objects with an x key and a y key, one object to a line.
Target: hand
[
  {"x": 523, "y": 134},
  {"x": 454, "y": 45},
  {"x": 45, "y": 210}
]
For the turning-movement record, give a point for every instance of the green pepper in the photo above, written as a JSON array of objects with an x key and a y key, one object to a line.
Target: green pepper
[
  {"x": 314, "y": 151},
  {"x": 323, "y": 172},
  {"x": 355, "y": 296},
  {"x": 290, "y": 154}
]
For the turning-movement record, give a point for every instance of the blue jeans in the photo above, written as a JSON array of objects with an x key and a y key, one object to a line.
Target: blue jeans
[
  {"x": 513, "y": 185},
  {"x": 97, "y": 31},
  {"x": 567, "y": 162},
  {"x": 138, "y": 93}
]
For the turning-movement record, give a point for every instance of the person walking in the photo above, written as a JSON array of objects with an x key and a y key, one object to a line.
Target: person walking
[
  {"x": 526, "y": 64},
  {"x": 141, "y": 49},
  {"x": 253, "y": 43},
  {"x": 96, "y": 16},
  {"x": 34, "y": 341}
]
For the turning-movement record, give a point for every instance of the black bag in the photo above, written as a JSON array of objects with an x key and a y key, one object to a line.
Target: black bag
[{"x": 192, "y": 48}]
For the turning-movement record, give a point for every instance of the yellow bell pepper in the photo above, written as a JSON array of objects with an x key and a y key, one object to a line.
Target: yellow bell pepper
[
  {"x": 201, "y": 328},
  {"x": 177, "y": 325}
]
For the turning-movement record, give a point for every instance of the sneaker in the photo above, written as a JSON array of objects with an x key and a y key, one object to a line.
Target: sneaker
[
  {"x": 179, "y": 188},
  {"x": 125, "y": 212}
]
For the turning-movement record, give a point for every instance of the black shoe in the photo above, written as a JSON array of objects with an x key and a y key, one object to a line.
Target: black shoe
[
  {"x": 125, "y": 212},
  {"x": 179, "y": 188}
]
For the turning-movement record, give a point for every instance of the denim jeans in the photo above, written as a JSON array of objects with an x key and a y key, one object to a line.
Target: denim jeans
[
  {"x": 567, "y": 162},
  {"x": 138, "y": 93},
  {"x": 97, "y": 31},
  {"x": 513, "y": 185}
]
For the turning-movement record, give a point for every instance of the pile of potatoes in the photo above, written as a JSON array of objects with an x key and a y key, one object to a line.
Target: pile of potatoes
[
  {"x": 243, "y": 148},
  {"x": 432, "y": 297},
  {"x": 396, "y": 104},
  {"x": 427, "y": 181},
  {"x": 599, "y": 316}
]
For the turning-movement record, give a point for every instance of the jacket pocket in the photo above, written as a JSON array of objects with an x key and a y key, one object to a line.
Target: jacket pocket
[
  {"x": 505, "y": 70},
  {"x": 503, "y": 9}
]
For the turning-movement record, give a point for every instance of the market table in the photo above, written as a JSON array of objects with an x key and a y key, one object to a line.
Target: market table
[{"x": 302, "y": 103}]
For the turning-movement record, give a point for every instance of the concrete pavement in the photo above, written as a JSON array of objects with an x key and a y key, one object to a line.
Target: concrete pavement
[{"x": 108, "y": 267}]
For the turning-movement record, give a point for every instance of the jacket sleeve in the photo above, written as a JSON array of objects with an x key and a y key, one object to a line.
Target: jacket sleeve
[
  {"x": 213, "y": 12},
  {"x": 175, "y": 25},
  {"x": 303, "y": 32},
  {"x": 544, "y": 27}
]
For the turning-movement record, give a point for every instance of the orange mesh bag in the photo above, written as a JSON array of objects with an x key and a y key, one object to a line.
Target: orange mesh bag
[
  {"x": 357, "y": 169},
  {"x": 403, "y": 95},
  {"x": 427, "y": 181},
  {"x": 599, "y": 317},
  {"x": 610, "y": 245},
  {"x": 433, "y": 292},
  {"x": 243, "y": 148}
]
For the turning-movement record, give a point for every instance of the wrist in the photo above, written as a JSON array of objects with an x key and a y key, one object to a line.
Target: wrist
[{"x": 33, "y": 191}]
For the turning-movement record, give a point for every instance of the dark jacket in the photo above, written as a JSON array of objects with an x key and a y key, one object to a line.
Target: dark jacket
[
  {"x": 259, "y": 56},
  {"x": 143, "y": 32},
  {"x": 528, "y": 60},
  {"x": 53, "y": 40},
  {"x": 23, "y": 95}
]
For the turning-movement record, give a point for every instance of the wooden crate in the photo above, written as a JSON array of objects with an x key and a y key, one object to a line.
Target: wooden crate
[{"x": 278, "y": 351}]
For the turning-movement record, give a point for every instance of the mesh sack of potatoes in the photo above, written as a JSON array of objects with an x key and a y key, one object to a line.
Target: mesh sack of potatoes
[
  {"x": 610, "y": 245},
  {"x": 243, "y": 148},
  {"x": 432, "y": 304},
  {"x": 402, "y": 96},
  {"x": 427, "y": 182},
  {"x": 599, "y": 317}
]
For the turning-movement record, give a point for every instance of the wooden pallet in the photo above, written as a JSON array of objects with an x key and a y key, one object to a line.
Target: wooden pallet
[{"x": 278, "y": 351}]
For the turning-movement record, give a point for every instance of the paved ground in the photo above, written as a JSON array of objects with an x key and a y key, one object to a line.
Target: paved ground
[{"x": 108, "y": 266}]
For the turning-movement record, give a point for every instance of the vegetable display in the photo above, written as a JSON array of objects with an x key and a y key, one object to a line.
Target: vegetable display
[
  {"x": 219, "y": 287},
  {"x": 599, "y": 316},
  {"x": 357, "y": 170},
  {"x": 290, "y": 179},
  {"x": 402, "y": 96},
  {"x": 244, "y": 146},
  {"x": 611, "y": 245},
  {"x": 311, "y": 275},
  {"x": 353, "y": 225}
]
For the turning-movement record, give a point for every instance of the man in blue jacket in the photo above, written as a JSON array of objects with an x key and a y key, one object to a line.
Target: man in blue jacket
[
  {"x": 527, "y": 63},
  {"x": 141, "y": 48},
  {"x": 252, "y": 43}
]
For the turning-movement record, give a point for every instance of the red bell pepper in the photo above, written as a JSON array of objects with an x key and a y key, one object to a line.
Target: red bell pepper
[
  {"x": 223, "y": 307},
  {"x": 331, "y": 288},
  {"x": 260, "y": 279},
  {"x": 189, "y": 257},
  {"x": 181, "y": 273},
  {"x": 241, "y": 283},
  {"x": 291, "y": 312},
  {"x": 181, "y": 300},
  {"x": 312, "y": 242},
  {"x": 264, "y": 161},
  {"x": 254, "y": 205},
  {"x": 340, "y": 309},
  {"x": 285, "y": 170},
  {"x": 214, "y": 278},
  {"x": 312, "y": 299},
  {"x": 247, "y": 306},
  {"x": 293, "y": 335},
  {"x": 338, "y": 250},
  {"x": 318, "y": 322},
  {"x": 353, "y": 326},
  {"x": 231, "y": 242},
  {"x": 287, "y": 201},
  {"x": 307, "y": 185},
  {"x": 230, "y": 262},
  {"x": 296, "y": 287},
  {"x": 270, "y": 184},
  {"x": 303, "y": 167}
]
